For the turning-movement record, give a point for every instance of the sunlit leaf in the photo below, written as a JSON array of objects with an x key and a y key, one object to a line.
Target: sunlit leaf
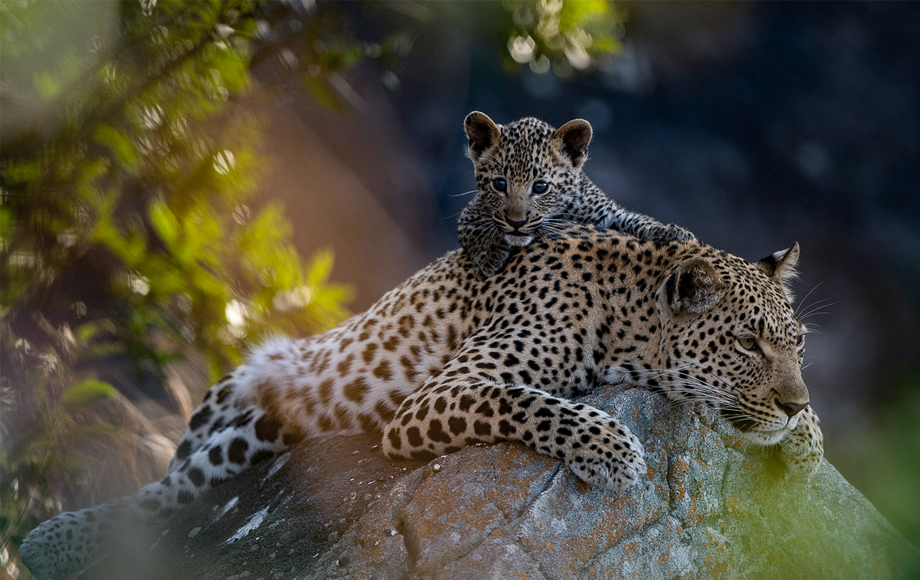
[
  {"x": 47, "y": 85},
  {"x": 320, "y": 267},
  {"x": 96, "y": 430},
  {"x": 122, "y": 147},
  {"x": 87, "y": 392},
  {"x": 164, "y": 222}
]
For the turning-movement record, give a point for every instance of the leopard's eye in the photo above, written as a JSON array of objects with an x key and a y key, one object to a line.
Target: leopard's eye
[
  {"x": 748, "y": 343},
  {"x": 540, "y": 187},
  {"x": 500, "y": 184}
]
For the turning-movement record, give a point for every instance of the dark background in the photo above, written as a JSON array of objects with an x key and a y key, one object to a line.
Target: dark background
[{"x": 754, "y": 125}]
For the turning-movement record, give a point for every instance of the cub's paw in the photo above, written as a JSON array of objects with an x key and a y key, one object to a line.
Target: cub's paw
[
  {"x": 671, "y": 233},
  {"x": 603, "y": 452},
  {"x": 803, "y": 448},
  {"x": 489, "y": 262}
]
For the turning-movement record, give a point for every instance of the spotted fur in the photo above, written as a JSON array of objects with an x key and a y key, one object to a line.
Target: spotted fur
[
  {"x": 530, "y": 178},
  {"x": 447, "y": 360}
]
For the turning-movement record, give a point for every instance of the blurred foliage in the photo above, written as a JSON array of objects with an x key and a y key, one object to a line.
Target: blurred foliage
[
  {"x": 128, "y": 216},
  {"x": 561, "y": 36},
  {"x": 889, "y": 458},
  {"x": 47, "y": 456},
  {"x": 130, "y": 237}
]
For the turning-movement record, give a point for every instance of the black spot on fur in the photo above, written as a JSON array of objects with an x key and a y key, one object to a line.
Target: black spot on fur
[
  {"x": 422, "y": 455},
  {"x": 196, "y": 476},
  {"x": 383, "y": 371},
  {"x": 385, "y": 412},
  {"x": 223, "y": 394},
  {"x": 216, "y": 455},
  {"x": 356, "y": 390},
  {"x": 457, "y": 425},
  {"x": 200, "y": 418},
  {"x": 216, "y": 426},
  {"x": 325, "y": 391},
  {"x": 436, "y": 432},
  {"x": 267, "y": 428},
  {"x": 293, "y": 437},
  {"x": 260, "y": 456},
  {"x": 236, "y": 453},
  {"x": 395, "y": 441},
  {"x": 184, "y": 450}
]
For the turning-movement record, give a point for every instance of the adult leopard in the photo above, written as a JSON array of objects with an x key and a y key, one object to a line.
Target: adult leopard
[
  {"x": 529, "y": 178},
  {"x": 447, "y": 360}
]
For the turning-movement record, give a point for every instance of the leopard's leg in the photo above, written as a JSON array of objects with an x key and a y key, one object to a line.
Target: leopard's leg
[
  {"x": 70, "y": 541},
  {"x": 803, "y": 447},
  {"x": 655, "y": 230},
  {"x": 446, "y": 415},
  {"x": 596, "y": 208}
]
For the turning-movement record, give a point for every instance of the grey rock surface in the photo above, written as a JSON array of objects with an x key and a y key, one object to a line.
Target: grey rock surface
[{"x": 708, "y": 508}]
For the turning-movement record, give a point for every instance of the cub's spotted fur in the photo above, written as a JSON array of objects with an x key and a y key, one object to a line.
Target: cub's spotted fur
[
  {"x": 447, "y": 360},
  {"x": 530, "y": 179}
]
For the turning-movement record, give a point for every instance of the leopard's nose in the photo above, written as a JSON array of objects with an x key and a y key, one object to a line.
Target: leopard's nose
[
  {"x": 516, "y": 224},
  {"x": 790, "y": 409}
]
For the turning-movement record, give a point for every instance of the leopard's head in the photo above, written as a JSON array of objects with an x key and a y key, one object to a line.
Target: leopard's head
[
  {"x": 731, "y": 340},
  {"x": 527, "y": 170}
]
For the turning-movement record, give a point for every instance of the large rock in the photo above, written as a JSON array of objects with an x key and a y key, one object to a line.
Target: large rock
[{"x": 708, "y": 508}]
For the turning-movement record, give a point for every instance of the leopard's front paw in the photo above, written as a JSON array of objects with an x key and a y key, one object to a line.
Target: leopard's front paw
[
  {"x": 603, "y": 452},
  {"x": 803, "y": 447}
]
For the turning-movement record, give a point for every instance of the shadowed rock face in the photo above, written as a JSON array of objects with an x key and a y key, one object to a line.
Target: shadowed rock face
[{"x": 707, "y": 509}]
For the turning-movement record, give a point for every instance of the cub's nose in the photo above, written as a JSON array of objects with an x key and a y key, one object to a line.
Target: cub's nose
[
  {"x": 516, "y": 224},
  {"x": 790, "y": 409}
]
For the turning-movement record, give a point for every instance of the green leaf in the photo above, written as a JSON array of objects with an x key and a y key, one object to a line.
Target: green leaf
[
  {"x": 96, "y": 430},
  {"x": 122, "y": 147},
  {"x": 48, "y": 86},
  {"x": 164, "y": 222},
  {"x": 87, "y": 392},
  {"x": 320, "y": 267}
]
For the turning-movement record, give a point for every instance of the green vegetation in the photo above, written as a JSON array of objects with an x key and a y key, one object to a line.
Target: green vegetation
[
  {"x": 130, "y": 234},
  {"x": 887, "y": 461},
  {"x": 560, "y": 36}
]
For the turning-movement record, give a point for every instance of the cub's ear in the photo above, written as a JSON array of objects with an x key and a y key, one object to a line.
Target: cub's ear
[
  {"x": 780, "y": 267},
  {"x": 572, "y": 141},
  {"x": 693, "y": 287},
  {"x": 482, "y": 133}
]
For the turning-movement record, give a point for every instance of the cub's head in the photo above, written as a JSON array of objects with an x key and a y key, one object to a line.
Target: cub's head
[
  {"x": 526, "y": 169},
  {"x": 731, "y": 339}
]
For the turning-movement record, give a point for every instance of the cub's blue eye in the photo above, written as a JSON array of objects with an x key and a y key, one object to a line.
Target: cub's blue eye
[
  {"x": 499, "y": 184},
  {"x": 540, "y": 187}
]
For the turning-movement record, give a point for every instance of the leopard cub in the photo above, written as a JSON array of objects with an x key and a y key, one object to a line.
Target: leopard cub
[{"x": 530, "y": 178}]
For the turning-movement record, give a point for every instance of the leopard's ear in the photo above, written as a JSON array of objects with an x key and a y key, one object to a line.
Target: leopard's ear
[
  {"x": 780, "y": 267},
  {"x": 482, "y": 132},
  {"x": 572, "y": 141},
  {"x": 693, "y": 287}
]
